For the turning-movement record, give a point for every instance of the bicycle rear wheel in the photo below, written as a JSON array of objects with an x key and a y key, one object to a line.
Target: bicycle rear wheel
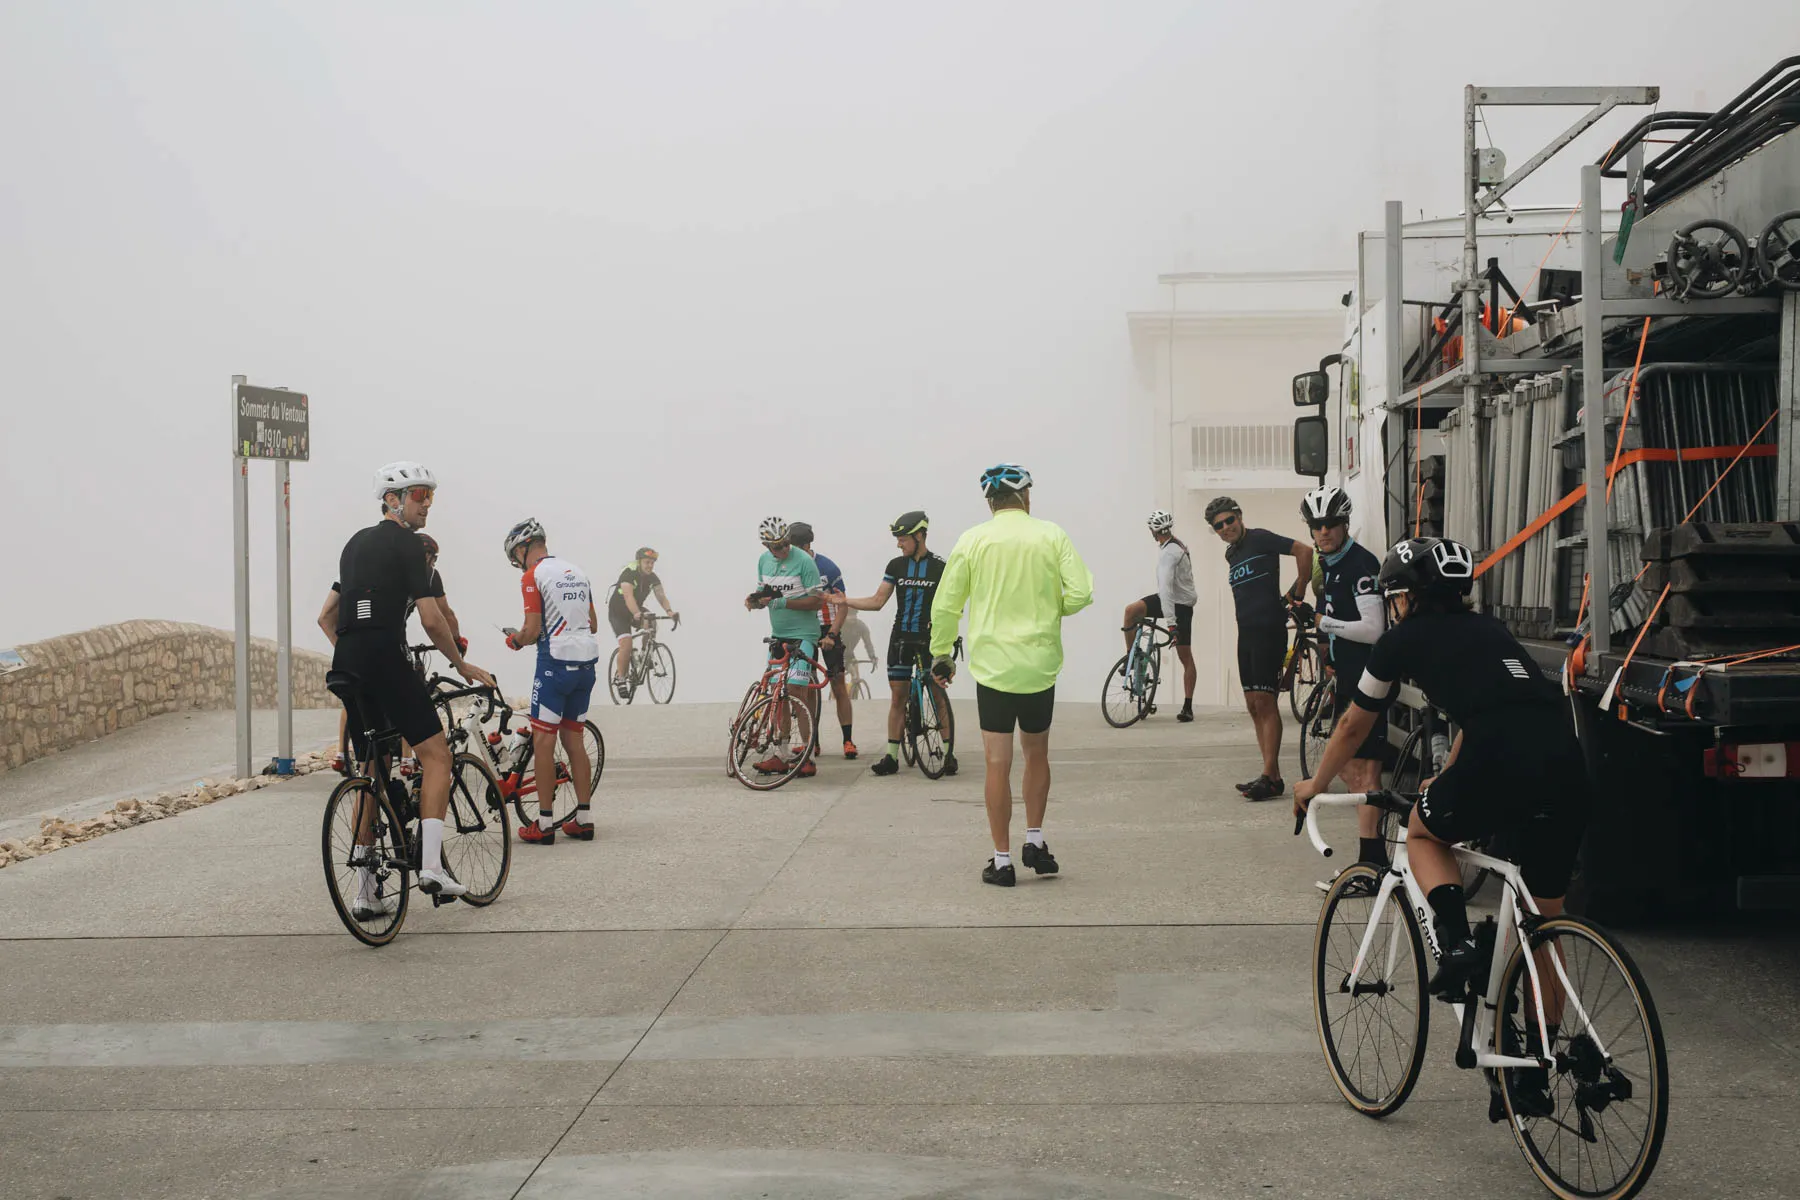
[
  {"x": 1318, "y": 717},
  {"x": 661, "y": 677},
  {"x": 595, "y": 745},
  {"x": 1118, "y": 702},
  {"x": 1373, "y": 1032},
  {"x": 772, "y": 726},
  {"x": 1303, "y": 675},
  {"x": 366, "y": 867},
  {"x": 1151, "y": 681},
  {"x": 933, "y": 733},
  {"x": 526, "y": 806},
  {"x": 477, "y": 844}
]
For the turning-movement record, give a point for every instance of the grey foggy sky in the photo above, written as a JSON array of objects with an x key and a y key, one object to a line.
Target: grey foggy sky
[{"x": 651, "y": 272}]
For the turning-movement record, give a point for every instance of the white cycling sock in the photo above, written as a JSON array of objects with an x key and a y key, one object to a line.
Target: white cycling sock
[
  {"x": 1002, "y": 859},
  {"x": 365, "y": 885},
  {"x": 1035, "y": 837},
  {"x": 545, "y": 820},
  {"x": 432, "y": 830}
]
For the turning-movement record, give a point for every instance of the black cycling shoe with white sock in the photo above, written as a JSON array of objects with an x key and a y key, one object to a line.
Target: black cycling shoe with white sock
[
  {"x": 1039, "y": 859},
  {"x": 999, "y": 876}
]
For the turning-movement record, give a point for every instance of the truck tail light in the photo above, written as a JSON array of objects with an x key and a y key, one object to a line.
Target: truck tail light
[{"x": 1759, "y": 760}]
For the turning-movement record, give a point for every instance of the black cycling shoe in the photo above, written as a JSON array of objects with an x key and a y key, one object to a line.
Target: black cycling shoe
[
  {"x": 999, "y": 876},
  {"x": 1460, "y": 963},
  {"x": 1245, "y": 787},
  {"x": 1039, "y": 859},
  {"x": 1264, "y": 789},
  {"x": 1362, "y": 885},
  {"x": 1529, "y": 1090},
  {"x": 949, "y": 765},
  {"x": 887, "y": 764},
  {"x": 1186, "y": 714}
]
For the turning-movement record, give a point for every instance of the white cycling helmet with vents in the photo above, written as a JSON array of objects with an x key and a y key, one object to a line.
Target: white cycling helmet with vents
[
  {"x": 1161, "y": 522},
  {"x": 772, "y": 530}
]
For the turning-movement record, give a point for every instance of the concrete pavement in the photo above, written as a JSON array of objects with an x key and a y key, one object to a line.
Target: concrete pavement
[{"x": 804, "y": 993}]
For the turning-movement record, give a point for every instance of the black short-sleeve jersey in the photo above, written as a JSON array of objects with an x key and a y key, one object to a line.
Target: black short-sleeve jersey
[
  {"x": 1255, "y": 564},
  {"x": 641, "y": 583},
  {"x": 382, "y": 573},
  {"x": 915, "y": 582},
  {"x": 1468, "y": 664},
  {"x": 1348, "y": 581}
]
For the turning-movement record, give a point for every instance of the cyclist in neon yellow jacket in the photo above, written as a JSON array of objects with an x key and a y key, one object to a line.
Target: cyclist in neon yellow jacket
[{"x": 1020, "y": 577}]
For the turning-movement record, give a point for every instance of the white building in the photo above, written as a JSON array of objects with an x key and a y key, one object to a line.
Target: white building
[{"x": 1213, "y": 369}]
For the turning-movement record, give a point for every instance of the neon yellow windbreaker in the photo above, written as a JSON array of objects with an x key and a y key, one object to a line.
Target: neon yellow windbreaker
[{"x": 1021, "y": 577}]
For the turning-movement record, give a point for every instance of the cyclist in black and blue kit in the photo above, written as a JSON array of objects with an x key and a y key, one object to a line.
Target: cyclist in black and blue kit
[{"x": 915, "y": 576}]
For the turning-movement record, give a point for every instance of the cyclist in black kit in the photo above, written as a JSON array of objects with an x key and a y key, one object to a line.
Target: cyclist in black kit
[
  {"x": 381, "y": 573},
  {"x": 1515, "y": 766}
]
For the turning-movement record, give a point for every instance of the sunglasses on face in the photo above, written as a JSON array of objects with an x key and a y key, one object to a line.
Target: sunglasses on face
[
  {"x": 1324, "y": 525},
  {"x": 1224, "y": 523},
  {"x": 418, "y": 495}
]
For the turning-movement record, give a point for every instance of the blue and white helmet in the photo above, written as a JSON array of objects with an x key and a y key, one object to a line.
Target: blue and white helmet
[{"x": 1006, "y": 477}]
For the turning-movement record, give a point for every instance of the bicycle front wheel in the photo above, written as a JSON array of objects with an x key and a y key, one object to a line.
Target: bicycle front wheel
[
  {"x": 1118, "y": 701},
  {"x": 366, "y": 866},
  {"x": 1374, "y": 1029},
  {"x": 1592, "y": 1124},
  {"x": 1318, "y": 717},
  {"x": 933, "y": 733},
  {"x": 661, "y": 677},
  {"x": 771, "y": 726},
  {"x": 1151, "y": 681},
  {"x": 1303, "y": 675},
  {"x": 477, "y": 845},
  {"x": 595, "y": 745}
]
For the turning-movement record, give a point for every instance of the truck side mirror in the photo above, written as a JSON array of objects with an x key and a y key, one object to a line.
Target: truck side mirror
[
  {"x": 1311, "y": 389},
  {"x": 1312, "y": 446}
]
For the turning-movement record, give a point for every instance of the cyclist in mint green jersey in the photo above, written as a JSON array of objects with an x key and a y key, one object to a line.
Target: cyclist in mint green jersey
[{"x": 789, "y": 587}]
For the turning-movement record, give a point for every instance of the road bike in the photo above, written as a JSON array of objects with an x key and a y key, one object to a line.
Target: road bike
[
  {"x": 1304, "y": 665},
  {"x": 1566, "y": 1034},
  {"x": 651, "y": 664},
  {"x": 508, "y": 753},
  {"x": 1318, "y": 720},
  {"x": 928, "y": 739},
  {"x": 370, "y": 840},
  {"x": 771, "y": 719},
  {"x": 1129, "y": 693}
]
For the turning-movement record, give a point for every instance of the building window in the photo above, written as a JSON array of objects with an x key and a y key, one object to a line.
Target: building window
[{"x": 1242, "y": 447}]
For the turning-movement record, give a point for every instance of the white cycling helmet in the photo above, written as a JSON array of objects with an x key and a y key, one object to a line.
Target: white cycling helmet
[
  {"x": 522, "y": 534},
  {"x": 772, "y": 529},
  {"x": 1325, "y": 504},
  {"x": 1161, "y": 522},
  {"x": 398, "y": 476}
]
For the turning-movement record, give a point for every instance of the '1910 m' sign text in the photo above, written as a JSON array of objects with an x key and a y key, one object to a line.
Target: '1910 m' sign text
[{"x": 271, "y": 423}]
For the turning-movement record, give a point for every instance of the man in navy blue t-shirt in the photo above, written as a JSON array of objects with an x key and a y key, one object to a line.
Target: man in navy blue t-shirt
[{"x": 831, "y": 637}]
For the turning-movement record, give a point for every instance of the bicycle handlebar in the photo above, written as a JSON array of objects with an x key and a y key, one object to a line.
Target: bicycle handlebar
[{"x": 1395, "y": 802}]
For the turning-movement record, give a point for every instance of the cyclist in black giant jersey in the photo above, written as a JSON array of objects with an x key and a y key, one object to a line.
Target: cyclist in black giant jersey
[
  {"x": 382, "y": 570},
  {"x": 1515, "y": 766},
  {"x": 915, "y": 576},
  {"x": 1351, "y": 616}
]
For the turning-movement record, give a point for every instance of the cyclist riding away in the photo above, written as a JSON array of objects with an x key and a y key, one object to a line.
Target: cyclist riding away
[
  {"x": 382, "y": 569},
  {"x": 1352, "y": 618},
  {"x": 1254, "y": 558},
  {"x": 831, "y": 638},
  {"x": 788, "y": 586},
  {"x": 915, "y": 575},
  {"x": 1020, "y": 577},
  {"x": 560, "y": 620},
  {"x": 625, "y": 609},
  {"x": 1515, "y": 767},
  {"x": 1171, "y": 602}
]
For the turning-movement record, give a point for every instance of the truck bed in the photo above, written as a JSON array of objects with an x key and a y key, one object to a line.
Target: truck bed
[{"x": 1756, "y": 693}]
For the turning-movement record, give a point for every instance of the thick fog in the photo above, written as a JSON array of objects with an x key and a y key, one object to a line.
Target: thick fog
[{"x": 651, "y": 272}]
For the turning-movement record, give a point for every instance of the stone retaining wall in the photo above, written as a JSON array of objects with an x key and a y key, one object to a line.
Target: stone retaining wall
[{"x": 75, "y": 688}]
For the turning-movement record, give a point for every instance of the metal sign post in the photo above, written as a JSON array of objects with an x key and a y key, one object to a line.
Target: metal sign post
[{"x": 271, "y": 423}]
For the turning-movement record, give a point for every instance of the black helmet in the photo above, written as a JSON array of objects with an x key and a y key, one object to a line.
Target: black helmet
[
  {"x": 800, "y": 533},
  {"x": 1435, "y": 567},
  {"x": 1221, "y": 504},
  {"x": 1321, "y": 506},
  {"x": 908, "y": 524}
]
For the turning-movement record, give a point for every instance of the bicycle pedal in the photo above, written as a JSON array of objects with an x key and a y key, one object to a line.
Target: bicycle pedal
[
  {"x": 438, "y": 900},
  {"x": 1496, "y": 1107}
]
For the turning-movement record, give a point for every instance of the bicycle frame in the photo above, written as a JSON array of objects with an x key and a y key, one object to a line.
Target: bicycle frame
[
  {"x": 1144, "y": 645},
  {"x": 522, "y": 781},
  {"x": 1513, "y": 923}
]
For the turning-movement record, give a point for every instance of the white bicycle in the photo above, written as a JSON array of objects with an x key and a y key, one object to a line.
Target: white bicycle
[{"x": 1577, "y": 1068}]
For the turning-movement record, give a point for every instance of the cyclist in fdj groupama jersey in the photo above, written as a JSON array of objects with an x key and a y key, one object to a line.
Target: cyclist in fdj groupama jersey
[
  {"x": 788, "y": 586},
  {"x": 560, "y": 620}
]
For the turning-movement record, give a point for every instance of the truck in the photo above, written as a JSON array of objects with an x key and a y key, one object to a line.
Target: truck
[{"x": 1601, "y": 403}]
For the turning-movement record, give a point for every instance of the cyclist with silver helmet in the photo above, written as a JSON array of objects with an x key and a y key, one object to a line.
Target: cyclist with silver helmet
[
  {"x": 1020, "y": 577},
  {"x": 914, "y": 576},
  {"x": 560, "y": 620},
  {"x": 1515, "y": 767},
  {"x": 1351, "y": 617},
  {"x": 625, "y": 608},
  {"x": 381, "y": 571},
  {"x": 1171, "y": 602},
  {"x": 1254, "y": 559},
  {"x": 789, "y": 587}
]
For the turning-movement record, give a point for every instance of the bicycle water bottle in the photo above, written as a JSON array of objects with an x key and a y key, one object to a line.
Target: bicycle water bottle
[{"x": 1440, "y": 751}]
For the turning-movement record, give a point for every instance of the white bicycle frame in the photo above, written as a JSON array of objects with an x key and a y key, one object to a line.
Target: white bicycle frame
[{"x": 1511, "y": 925}]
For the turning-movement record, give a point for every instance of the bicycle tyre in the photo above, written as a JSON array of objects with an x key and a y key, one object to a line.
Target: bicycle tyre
[
  {"x": 760, "y": 729},
  {"x": 1152, "y": 680},
  {"x": 1303, "y": 676},
  {"x": 475, "y": 832},
  {"x": 662, "y": 671},
  {"x": 908, "y": 721},
  {"x": 595, "y": 744},
  {"x": 1318, "y": 719},
  {"x": 1647, "y": 1065},
  {"x": 934, "y": 735},
  {"x": 562, "y": 803},
  {"x": 1120, "y": 708},
  {"x": 393, "y": 866},
  {"x": 1335, "y": 944}
]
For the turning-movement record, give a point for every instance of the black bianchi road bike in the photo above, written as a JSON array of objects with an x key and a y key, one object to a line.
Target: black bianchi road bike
[
  {"x": 651, "y": 666},
  {"x": 1561, "y": 1023},
  {"x": 370, "y": 839},
  {"x": 1129, "y": 693}
]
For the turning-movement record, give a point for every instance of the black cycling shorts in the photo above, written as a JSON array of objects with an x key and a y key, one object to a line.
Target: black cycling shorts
[
  {"x": 833, "y": 658},
  {"x": 388, "y": 683},
  {"x": 1374, "y": 746},
  {"x": 1184, "y": 618},
  {"x": 1000, "y": 712},
  {"x": 1528, "y": 789},
  {"x": 902, "y": 650},
  {"x": 619, "y": 617},
  {"x": 1260, "y": 655}
]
